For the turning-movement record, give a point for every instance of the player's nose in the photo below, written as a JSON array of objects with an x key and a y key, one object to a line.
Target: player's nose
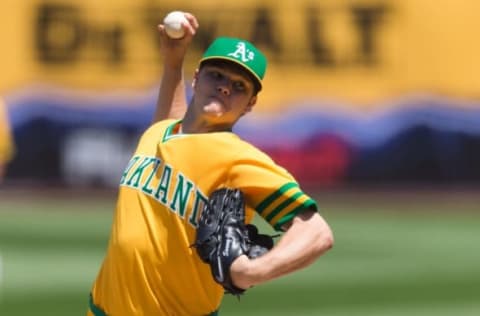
[{"x": 224, "y": 89}]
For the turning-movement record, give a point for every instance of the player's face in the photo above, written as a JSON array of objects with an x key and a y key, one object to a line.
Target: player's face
[{"x": 222, "y": 93}]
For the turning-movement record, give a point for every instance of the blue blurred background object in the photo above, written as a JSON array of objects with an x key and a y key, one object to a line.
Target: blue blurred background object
[{"x": 371, "y": 91}]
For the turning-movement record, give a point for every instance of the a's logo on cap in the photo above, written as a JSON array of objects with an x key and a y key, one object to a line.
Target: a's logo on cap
[{"x": 242, "y": 53}]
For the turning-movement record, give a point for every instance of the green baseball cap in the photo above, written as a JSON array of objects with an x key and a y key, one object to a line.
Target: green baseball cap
[{"x": 240, "y": 52}]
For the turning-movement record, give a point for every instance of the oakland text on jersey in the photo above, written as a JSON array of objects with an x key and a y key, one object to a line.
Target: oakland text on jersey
[{"x": 164, "y": 184}]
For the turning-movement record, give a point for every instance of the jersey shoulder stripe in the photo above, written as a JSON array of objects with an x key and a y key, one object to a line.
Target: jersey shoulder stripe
[
  {"x": 308, "y": 204},
  {"x": 275, "y": 195},
  {"x": 283, "y": 204}
]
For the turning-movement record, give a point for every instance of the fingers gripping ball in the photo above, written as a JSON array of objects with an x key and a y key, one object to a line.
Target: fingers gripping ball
[
  {"x": 173, "y": 23},
  {"x": 222, "y": 236}
]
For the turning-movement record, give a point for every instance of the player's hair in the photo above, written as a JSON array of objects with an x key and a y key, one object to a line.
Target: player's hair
[{"x": 234, "y": 66}]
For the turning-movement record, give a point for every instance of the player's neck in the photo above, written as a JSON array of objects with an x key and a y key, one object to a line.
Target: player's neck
[{"x": 192, "y": 124}]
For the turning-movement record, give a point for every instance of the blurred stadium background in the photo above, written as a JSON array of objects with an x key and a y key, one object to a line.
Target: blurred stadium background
[{"x": 374, "y": 105}]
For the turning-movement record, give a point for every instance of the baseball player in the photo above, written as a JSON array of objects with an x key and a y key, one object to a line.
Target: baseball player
[
  {"x": 150, "y": 267},
  {"x": 6, "y": 142}
]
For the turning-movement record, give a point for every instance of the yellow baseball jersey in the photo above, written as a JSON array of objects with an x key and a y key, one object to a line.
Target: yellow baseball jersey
[
  {"x": 6, "y": 143},
  {"x": 150, "y": 268}
]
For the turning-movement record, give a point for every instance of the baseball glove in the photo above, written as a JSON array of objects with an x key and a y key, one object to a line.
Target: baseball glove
[{"x": 222, "y": 236}]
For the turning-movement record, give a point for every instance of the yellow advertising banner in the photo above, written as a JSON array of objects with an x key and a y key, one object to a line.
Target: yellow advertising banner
[{"x": 357, "y": 52}]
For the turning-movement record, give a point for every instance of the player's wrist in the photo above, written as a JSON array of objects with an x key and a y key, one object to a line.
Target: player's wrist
[
  {"x": 240, "y": 272},
  {"x": 174, "y": 63}
]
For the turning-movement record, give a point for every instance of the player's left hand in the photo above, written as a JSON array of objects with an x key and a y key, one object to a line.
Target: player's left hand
[{"x": 223, "y": 239}]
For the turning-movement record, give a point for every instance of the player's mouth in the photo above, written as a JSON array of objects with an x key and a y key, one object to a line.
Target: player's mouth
[{"x": 216, "y": 105}]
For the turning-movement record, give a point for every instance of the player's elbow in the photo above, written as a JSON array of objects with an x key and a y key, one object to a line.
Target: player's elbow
[
  {"x": 324, "y": 240},
  {"x": 328, "y": 240},
  {"x": 318, "y": 234}
]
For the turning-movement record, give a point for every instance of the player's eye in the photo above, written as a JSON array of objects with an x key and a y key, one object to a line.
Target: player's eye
[
  {"x": 239, "y": 86},
  {"x": 214, "y": 74}
]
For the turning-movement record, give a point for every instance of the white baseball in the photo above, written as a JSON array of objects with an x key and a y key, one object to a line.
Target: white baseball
[{"x": 173, "y": 23}]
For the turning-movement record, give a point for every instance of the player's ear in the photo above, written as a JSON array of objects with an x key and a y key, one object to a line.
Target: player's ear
[
  {"x": 251, "y": 104},
  {"x": 195, "y": 77}
]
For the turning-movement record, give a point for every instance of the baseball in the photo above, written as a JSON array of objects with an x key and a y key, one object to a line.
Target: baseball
[{"x": 173, "y": 23}]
